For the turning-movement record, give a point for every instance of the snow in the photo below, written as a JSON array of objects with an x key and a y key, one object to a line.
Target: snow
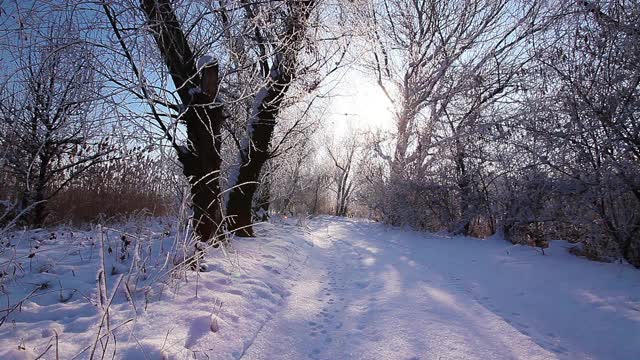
[
  {"x": 275, "y": 71},
  {"x": 333, "y": 289},
  {"x": 256, "y": 107},
  {"x": 169, "y": 316},
  {"x": 205, "y": 61},
  {"x": 372, "y": 292}
]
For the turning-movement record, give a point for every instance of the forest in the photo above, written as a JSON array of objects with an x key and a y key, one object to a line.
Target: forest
[{"x": 158, "y": 140}]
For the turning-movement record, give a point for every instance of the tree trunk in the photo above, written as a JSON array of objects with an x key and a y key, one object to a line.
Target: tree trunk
[
  {"x": 39, "y": 211},
  {"x": 464, "y": 189},
  {"x": 399, "y": 163},
  {"x": 201, "y": 165},
  {"x": 203, "y": 117},
  {"x": 264, "y": 200},
  {"x": 35, "y": 197},
  {"x": 262, "y": 122},
  {"x": 253, "y": 158},
  {"x": 315, "y": 198}
]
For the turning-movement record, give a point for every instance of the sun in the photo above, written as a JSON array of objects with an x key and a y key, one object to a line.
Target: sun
[{"x": 359, "y": 103}]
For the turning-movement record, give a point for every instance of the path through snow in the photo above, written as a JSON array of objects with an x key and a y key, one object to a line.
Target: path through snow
[
  {"x": 339, "y": 289},
  {"x": 371, "y": 292}
]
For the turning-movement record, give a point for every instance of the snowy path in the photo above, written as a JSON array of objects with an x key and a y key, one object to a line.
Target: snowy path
[
  {"x": 339, "y": 289},
  {"x": 369, "y": 292}
]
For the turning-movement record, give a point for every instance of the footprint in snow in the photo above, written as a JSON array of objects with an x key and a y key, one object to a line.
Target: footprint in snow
[
  {"x": 235, "y": 292},
  {"x": 223, "y": 281},
  {"x": 265, "y": 295},
  {"x": 271, "y": 269}
]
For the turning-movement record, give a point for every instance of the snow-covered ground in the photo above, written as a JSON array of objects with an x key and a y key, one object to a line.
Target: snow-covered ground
[{"x": 334, "y": 289}]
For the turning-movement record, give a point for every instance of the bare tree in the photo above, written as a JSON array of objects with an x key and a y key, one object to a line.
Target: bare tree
[
  {"x": 200, "y": 112},
  {"x": 581, "y": 113},
  {"x": 278, "y": 64},
  {"x": 52, "y": 129},
  {"x": 443, "y": 65},
  {"x": 344, "y": 157},
  {"x": 299, "y": 182},
  {"x": 232, "y": 65}
]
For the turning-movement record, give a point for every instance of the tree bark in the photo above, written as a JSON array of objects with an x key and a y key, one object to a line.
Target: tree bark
[
  {"x": 201, "y": 165},
  {"x": 253, "y": 157}
]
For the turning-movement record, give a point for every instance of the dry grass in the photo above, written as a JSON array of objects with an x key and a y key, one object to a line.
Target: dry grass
[
  {"x": 109, "y": 191},
  {"x": 78, "y": 205}
]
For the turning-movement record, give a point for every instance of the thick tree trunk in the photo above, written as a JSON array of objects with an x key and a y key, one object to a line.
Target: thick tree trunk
[
  {"x": 201, "y": 165},
  {"x": 203, "y": 117},
  {"x": 253, "y": 158},
  {"x": 261, "y": 124},
  {"x": 39, "y": 212}
]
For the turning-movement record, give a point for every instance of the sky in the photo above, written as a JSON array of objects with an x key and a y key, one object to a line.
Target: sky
[{"x": 358, "y": 103}]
